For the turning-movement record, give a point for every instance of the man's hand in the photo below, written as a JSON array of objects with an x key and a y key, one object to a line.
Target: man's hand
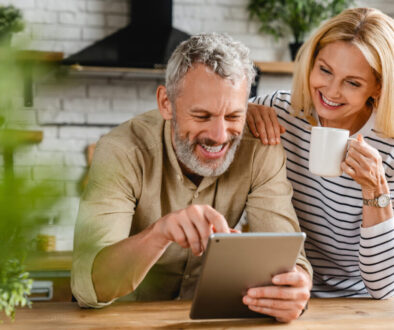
[
  {"x": 191, "y": 227},
  {"x": 286, "y": 299}
]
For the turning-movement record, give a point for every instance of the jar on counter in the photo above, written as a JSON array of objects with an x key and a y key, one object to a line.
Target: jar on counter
[{"x": 46, "y": 238}]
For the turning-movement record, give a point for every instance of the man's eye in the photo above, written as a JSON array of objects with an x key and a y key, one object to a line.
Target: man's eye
[
  {"x": 323, "y": 69},
  {"x": 202, "y": 117},
  {"x": 233, "y": 117}
]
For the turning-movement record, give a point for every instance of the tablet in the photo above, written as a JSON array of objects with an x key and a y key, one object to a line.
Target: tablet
[{"x": 233, "y": 263}]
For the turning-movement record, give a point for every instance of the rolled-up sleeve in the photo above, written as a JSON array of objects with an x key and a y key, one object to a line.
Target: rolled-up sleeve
[{"x": 105, "y": 216}]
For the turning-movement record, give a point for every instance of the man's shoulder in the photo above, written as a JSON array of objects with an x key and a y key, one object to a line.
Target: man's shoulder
[{"x": 145, "y": 131}]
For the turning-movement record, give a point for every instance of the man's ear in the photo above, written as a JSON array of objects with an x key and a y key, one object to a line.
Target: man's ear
[{"x": 163, "y": 102}]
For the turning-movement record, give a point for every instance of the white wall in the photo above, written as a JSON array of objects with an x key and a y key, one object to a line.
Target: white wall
[{"x": 75, "y": 111}]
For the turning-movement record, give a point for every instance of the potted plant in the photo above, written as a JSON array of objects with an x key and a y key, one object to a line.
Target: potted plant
[
  {"x": 11, "y": 21},
  {"x": 281, "y": 18}
]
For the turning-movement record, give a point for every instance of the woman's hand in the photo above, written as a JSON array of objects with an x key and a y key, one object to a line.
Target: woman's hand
[
  {"x": 263, "y": 123},
  {"x": 363, "y": 163}
]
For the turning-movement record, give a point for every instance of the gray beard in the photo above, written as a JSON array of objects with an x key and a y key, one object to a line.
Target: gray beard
[{"x": 184, "y": 150}]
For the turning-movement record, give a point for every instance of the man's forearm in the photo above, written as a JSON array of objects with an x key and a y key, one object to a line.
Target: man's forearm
[{"x": 119, "y": 268}]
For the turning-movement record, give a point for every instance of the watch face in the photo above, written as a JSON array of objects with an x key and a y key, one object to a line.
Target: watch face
[{"x": 383, "y": 200}]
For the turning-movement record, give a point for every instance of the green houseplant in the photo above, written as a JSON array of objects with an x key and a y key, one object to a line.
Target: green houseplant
[
  {"x": 11, "y": 21},
  {"x": 23, "y": 199},
  {"x": 281, "y": 18}
]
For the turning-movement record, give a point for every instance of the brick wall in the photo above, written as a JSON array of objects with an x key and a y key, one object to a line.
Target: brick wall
[{"x": 75, "y": 111}]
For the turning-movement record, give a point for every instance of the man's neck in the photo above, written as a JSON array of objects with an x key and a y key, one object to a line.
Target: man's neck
[{"x": 195, "y": 178}]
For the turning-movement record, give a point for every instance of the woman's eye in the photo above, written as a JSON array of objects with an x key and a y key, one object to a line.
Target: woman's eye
[
  {"x": 353, "y": 83},
  {"x": 323, "y": 69}
]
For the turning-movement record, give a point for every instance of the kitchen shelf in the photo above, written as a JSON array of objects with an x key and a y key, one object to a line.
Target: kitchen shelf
[
  {"x": 49, "y": 261},
  {"x": 114, "y": 72},
  {"x": 275, "y": 67},
  {"x": 118, "y": 72}
]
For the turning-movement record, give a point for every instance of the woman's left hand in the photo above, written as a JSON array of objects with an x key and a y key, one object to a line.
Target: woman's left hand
[{"x": 363, "y": 163}]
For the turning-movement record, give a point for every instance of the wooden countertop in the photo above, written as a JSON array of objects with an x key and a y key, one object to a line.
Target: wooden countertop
[
  {"x": 338, "y": 314},
  {"x": 50, "y": 261}
]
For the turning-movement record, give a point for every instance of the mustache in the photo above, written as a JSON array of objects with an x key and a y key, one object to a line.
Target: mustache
[{"x": 211, "y": 143}]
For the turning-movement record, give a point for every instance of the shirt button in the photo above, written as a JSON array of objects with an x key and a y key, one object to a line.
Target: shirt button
[
  {"x": 179, "y": 177},
  {"x": 195, "y": 194},
  {"x": 186, "y": 277}
]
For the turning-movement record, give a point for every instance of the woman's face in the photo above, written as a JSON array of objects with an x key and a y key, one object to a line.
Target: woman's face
[{"x": 341, "y": 81}]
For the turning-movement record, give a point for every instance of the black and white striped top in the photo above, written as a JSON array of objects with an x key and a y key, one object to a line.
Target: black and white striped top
[{"x": 348, "y": 261}]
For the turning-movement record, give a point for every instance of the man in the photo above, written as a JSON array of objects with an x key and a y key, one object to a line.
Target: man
[{"x": 162, "y": 182}]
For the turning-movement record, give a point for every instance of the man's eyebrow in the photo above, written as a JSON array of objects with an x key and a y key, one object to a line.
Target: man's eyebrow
[{"x": 349, "y": 77}]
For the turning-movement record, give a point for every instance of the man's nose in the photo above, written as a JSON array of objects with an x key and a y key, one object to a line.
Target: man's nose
[{"x": 218, "y": 131}]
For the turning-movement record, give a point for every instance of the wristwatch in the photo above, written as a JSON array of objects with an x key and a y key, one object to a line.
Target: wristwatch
[{"x": 380, "y": 201}]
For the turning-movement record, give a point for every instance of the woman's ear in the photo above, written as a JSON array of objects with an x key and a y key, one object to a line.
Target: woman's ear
[{"x": 163, "y": 102}]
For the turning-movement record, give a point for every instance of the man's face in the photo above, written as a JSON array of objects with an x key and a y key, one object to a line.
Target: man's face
[{"x": 208, "y": 121}]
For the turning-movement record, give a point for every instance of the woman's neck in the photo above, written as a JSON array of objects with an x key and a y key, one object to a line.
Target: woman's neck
[{"x": 353, "y": 124}]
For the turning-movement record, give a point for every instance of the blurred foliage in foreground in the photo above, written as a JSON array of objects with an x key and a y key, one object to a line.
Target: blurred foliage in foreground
[{"x": 23, "y": 201}]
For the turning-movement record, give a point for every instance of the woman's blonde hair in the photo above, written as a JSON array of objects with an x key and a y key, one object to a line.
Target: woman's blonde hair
[{"x": 373, "y": 33}]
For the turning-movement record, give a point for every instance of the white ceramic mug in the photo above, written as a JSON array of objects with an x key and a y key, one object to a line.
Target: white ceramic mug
[{"x": 328, "y": 148}]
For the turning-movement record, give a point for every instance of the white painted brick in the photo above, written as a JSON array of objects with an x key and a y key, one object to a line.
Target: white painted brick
[
  {"x": 22, "y": 4},
  {"x": 58, "y": 173},
  {"x": 59, "y": 88},
  {"x": 237, "y": 13},
  {"x": 60, "y": 117},
  {"x": 147, "y": 89},
  {"x": 25, "y": 158},
  {"x": 75, "y": 159},
  {"x": 146, "y": 105},
  {"x": 47, "y": 103},
  {"x": 226, "y": 26},
  {"x": 52, "y": 144},
  {"x": 85, "y": 19},
  {"x": 50, "y": 131},
  {"x": 120, "y": 7},
  {"x": 22, "y": 117},
  {"x": 118, "y": 21},
  {"x": 66, "y": 132},
  {"x": 190, "y": 26},
  {"x": 40, "y": 16},
  {"x": 49, "y": 158},
  {"x": 53, "y": 31},
  {"x": 23, "y": 171},
  {"x": 128, "y": 106},
  {"x": 87, "y": 105},
  {"x": 229, "y": 2},
  {"x": 69, "y": 5},
  {"x": 72, "y": 189},
  {"x": 90, "y": 33},
  {"x": 107, "y": 118},
  {"x": 113, "y": 91}
]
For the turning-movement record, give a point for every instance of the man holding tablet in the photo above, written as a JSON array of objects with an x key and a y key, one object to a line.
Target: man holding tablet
[{"x": 162, "y": 182}]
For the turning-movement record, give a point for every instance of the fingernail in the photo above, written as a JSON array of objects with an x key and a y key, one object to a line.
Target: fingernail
[
  {"x": 277, "y": 140},
  {"x": 247, "y": 300},
  {"x": 265, "y": 141},
  {"x": 276, "y": 280},
  {"x": 272, "y": 141}
]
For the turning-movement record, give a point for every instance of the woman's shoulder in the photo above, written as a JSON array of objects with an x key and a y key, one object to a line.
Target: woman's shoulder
[{"x": 279, "y": 97}]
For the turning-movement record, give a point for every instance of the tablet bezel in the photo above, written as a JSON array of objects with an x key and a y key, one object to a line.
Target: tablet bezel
[{"x": 220, "y": 287}]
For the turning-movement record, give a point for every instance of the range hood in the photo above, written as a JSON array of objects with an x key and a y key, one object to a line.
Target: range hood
[{"x": 147, "y": 42}]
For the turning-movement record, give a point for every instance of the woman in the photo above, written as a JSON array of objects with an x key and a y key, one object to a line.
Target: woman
[{"x": 344, "y": 78}]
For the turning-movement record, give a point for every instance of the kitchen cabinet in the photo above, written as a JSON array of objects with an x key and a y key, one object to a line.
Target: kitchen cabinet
[{"x": 53, "y": 267}]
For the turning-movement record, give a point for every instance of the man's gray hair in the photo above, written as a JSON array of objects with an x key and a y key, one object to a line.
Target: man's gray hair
[{"x": 219, "y": 52}]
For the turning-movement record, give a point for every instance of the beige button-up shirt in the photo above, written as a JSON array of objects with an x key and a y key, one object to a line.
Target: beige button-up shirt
[{"x": 135, "y": 179}]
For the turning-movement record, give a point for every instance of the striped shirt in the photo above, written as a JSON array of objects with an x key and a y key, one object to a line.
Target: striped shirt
[{"x": 348, "y": 260}]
